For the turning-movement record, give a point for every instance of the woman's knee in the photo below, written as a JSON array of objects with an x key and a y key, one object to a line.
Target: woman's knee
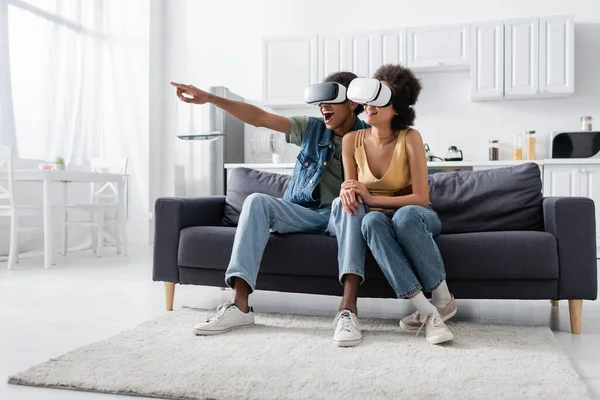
[
  {"x": 372, "y": 221},
  {"x": 336, "y": 206},
  {"x": 408, "y": 216}
]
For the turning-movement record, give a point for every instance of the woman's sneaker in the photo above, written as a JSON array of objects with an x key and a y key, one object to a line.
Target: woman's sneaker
[
  {"x": 436, "y": 331},
  {"x": 413, "y": 321},
  {"x": 347, "y": 330},
  {"x": 228, "y": 316}
]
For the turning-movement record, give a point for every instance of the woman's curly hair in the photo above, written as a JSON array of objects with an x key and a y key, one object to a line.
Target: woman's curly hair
[{"x": 405, "y": 92}]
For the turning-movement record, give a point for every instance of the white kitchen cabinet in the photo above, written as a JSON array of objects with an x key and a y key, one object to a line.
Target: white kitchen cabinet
[
  {"x": 364, "y": 54},
  {"x": 290, "y": 65},
  {"x": 487, "y": 60},
  {"x": 393, "y": 47},
  {"x": 590, "y": 187},
  {"x": 578, "y": 180},
  {"x": 557, "y": 46},
  {"x": 435, "y": 48},
  {"x": 562, "y": 180},
  {"x": 333, "y": 55},
  {"x": 521, "y": 76}
]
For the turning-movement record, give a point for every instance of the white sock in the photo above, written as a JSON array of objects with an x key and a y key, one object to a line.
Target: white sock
[
  {"x": 441, "y": 296},
  {"x": 423, "y": 305}
]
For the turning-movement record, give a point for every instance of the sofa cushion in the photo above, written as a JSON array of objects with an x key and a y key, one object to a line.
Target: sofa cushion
[
  {"x": 502, "y": 199},
  {"x": 516, "y": 255},
  {"x": 468, "y": 256},
  {"x": 245, "y": 181}
]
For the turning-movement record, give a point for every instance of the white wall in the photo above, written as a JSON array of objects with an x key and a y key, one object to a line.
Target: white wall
[{"x": 220, "y": 43}]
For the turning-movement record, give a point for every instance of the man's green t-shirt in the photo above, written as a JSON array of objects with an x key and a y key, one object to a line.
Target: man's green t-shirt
[{"x": 331, "y": 181}]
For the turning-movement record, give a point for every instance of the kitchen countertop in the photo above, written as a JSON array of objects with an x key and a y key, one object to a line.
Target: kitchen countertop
[{"x": 445, "y": 164}]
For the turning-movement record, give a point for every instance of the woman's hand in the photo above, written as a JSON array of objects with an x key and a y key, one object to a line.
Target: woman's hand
[{"x": 360, "y": 189}]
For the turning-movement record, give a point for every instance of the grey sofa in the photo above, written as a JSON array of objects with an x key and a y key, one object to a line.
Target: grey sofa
[{"x": 500, "y": 240}]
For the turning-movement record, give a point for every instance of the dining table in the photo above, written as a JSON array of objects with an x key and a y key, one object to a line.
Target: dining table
[{"x": 64, "y": 177}]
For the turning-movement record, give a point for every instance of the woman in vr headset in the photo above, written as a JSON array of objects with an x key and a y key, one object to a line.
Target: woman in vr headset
[{"x": 385, "y": 168}]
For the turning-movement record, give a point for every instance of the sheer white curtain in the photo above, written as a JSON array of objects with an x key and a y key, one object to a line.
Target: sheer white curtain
[
  {"x": 72, "y": 64},
  {"x": 74, "y": 82},
  {"x": 7, "y": 122}
]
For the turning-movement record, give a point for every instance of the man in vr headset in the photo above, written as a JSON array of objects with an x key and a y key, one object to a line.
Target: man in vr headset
[{"x": 306, "y": 204}]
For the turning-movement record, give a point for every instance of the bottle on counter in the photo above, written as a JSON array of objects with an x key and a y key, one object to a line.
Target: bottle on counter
[
  {"x": 518, "y": 148},
  {"x": 586, "y": 124},
  {"x": 494, "y": 150},
  {"x": 530, "y": 135}
]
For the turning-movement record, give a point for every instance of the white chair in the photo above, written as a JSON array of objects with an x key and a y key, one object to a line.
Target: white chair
[
  {"x": 103, "y": 208},
  {"x": 8, "y": 207}
]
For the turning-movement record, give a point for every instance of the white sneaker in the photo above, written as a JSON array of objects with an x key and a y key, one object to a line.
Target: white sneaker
[
  {"x": 347, "y": 330},
  {"x": 228, "y": 316},
  {"x": 436, "y": 331}
]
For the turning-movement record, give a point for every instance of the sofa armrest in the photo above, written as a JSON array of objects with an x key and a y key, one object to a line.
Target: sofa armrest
[
  {"x": 572, "y": 220},
  {"x": 171, "y": 215}
]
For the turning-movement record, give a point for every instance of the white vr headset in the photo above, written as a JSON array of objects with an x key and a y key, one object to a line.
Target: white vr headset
[
  {"x": 370, "y": 92},
  {"x": 328, "y": 92}
]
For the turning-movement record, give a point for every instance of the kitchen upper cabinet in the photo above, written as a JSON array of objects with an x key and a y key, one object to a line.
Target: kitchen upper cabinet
[
  {"x": 434, "y": 48},
  {"x": 393, "y": 47},
  {"x": 290, "y": 65},
  {"x": 333, "y": 55},
  {"x": 557, "y": 44},
  {"x": 364, "y": 54},
  {"x": 487, "y": 61},
  {"x": 521, "y": 77}
]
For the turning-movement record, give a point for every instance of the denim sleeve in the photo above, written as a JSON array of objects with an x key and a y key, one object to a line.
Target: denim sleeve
[{"x": 298, "y": 125}]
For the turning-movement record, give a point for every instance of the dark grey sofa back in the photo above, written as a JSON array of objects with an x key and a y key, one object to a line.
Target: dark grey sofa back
[
  {"x": 245, "y": 181},
  {"x": 501, "y": 199}
]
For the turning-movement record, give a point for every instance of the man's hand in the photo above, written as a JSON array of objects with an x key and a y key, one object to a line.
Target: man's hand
[
  {"x": 191, "y": 94},
  {"x": 349, "y": 201},
  {"x": 359, "y": 189}
]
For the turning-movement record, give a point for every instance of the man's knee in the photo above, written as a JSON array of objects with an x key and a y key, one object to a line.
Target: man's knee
[{"x": 257, "y": 200}]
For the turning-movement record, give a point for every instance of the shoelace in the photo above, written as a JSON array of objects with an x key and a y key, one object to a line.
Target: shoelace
[
  {"x": 221, "y": 310},
  {"x": 346, "y": 321},
  {"x": 436, "y": 321}
]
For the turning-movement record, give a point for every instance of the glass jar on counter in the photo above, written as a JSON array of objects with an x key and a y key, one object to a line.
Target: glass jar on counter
[
  {"x": 494, "y": 150},
  {"x": 530, "y": 139},
  {"x": 517, "y": 148},
  {"x": 586, "y": 124}
]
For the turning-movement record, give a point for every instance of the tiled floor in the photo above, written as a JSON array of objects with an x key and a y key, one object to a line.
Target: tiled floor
[{"x": 44, "y": 313}]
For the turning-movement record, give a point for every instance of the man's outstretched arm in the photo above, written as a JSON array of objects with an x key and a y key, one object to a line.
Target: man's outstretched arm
[{"x": 243, "y": 111}]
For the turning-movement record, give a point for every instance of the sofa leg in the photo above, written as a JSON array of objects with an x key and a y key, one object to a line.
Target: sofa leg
[
  {"x": 169, "y": 295},
  {"x": 554, "y": 303},
  {"x": 575, "y": 310}
]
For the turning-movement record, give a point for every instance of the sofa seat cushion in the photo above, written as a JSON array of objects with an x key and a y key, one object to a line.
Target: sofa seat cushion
[
  {"x": 499, "y": 255},
  {"x": 467, "y": 256}
]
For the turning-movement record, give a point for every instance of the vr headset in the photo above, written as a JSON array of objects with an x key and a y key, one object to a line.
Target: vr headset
[
  {"x": 369, "y": 91},
  {"x": 328, "y": 92}
]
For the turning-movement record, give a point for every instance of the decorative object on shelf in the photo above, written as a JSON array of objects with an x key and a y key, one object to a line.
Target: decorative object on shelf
[
  {"x": 60, "y": 164},
  {"x": 429, "y": 156},
  {"x": 530, "y": 135},
  {"x": 268, "y": 146},
  {"x": 517, "y": 148},
  {"x": 453, "y": 154},
  {"x": 494, "y": 151},
  {"x": 586, "y": 123}
]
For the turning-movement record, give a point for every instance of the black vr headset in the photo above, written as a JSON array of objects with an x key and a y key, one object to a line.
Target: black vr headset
[{"x": 361, "y": 90}]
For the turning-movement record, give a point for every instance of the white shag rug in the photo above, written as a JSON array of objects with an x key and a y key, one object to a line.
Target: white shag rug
[{"x": 293, "y": 357}]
